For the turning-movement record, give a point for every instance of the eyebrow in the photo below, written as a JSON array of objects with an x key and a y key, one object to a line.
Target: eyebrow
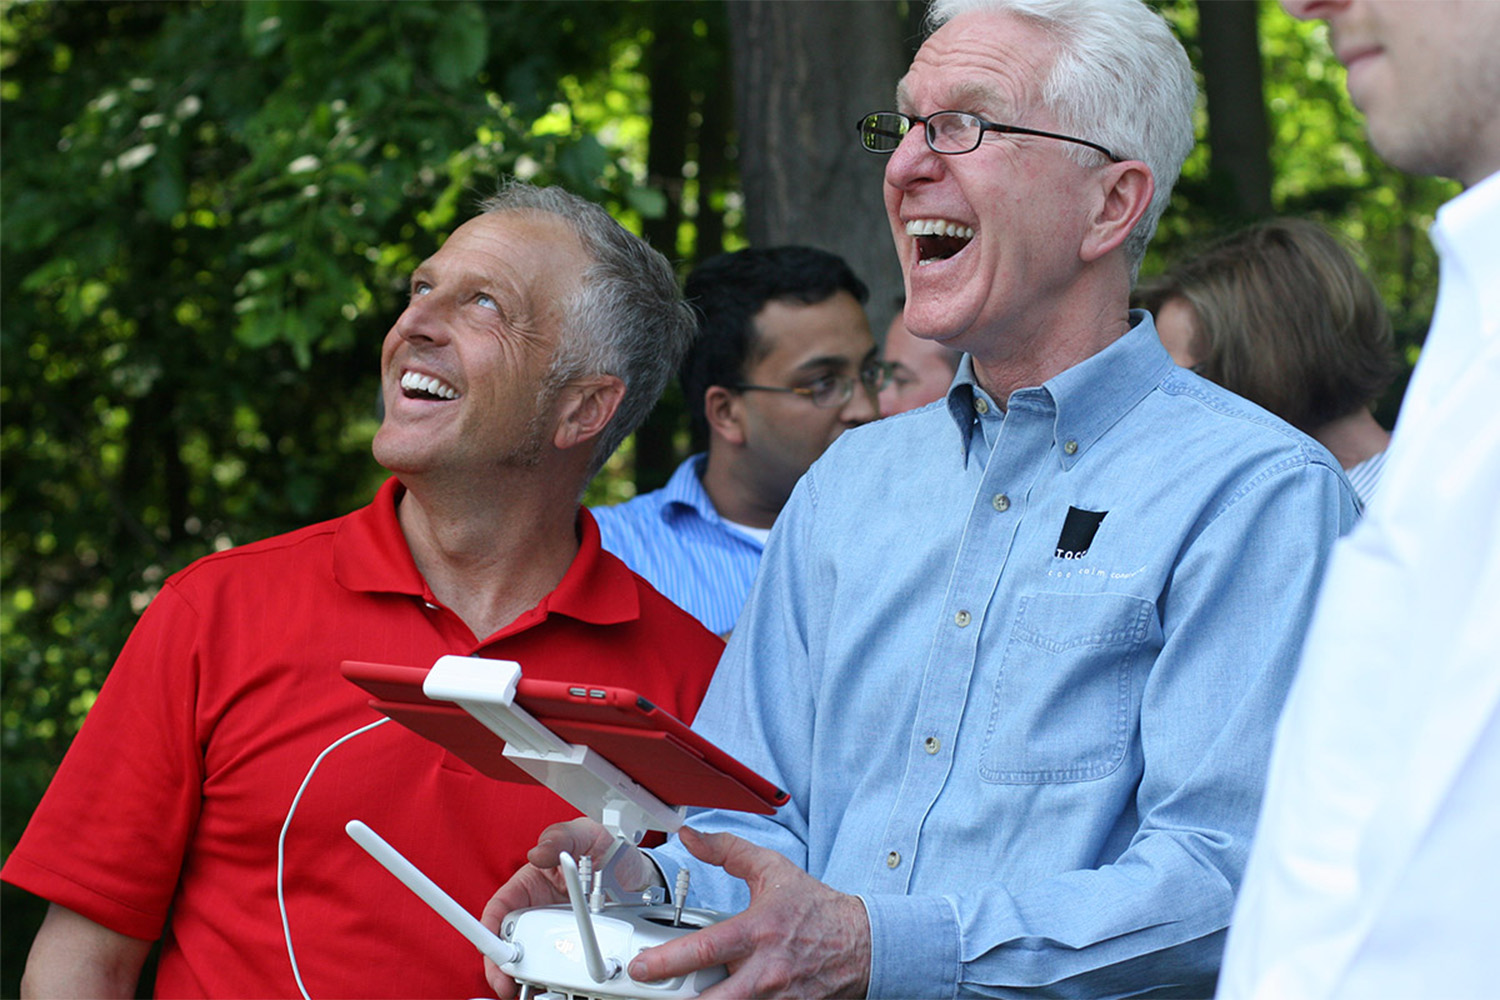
[
  {"x": 835, "y": 361},
  {"x": 981, "y": 96},
  {"x": 963, "y": 97},
  {"x": 490, "y": 284}
]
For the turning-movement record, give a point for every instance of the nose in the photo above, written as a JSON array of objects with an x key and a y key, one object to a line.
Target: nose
[
  {"x": 887, "y": 399},
  {"x": 862, "y": 407},
  {"x": 421, "y": 321},
  {"x": 912, "y": 160}
]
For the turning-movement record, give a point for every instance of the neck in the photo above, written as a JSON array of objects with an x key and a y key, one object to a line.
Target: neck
[
  {"x": 1087, "y": 312},
  {"x": 733, "y": 493},
  {"x": 1003, "y": 370},
  {"x": 490, "y": 557},
  {"x": 1353, "y": 438}
]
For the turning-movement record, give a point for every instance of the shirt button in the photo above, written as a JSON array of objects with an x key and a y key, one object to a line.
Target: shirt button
[
  {"x": 893, "y": 859},
  {"x": 962, "y": 619},
  {"x": 1071, "y": 447},
  {"x": 1001, "y": 502},
  {"x": 932, "y": 744},
  {"x": 981, "y": 405}
]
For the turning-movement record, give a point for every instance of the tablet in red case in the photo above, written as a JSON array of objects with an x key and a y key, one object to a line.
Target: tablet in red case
[{"x": 657, "y": 750}]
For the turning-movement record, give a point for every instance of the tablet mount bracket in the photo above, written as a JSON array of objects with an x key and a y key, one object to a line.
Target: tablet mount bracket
[
  {"x": 578, "y": 949},
  {"x": 486, "y": 689}
]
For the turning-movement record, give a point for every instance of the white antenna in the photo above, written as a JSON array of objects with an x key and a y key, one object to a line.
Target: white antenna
[
  {"x": 447, "y": 907},
  {"x": 599, "y": 970},
  {"x": 680, "y": 895}
]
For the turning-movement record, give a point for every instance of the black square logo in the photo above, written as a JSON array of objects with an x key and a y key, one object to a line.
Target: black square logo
[{"x": 1078, "y": 533}]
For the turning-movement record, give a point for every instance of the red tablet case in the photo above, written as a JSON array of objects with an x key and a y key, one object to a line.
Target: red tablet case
[{"x": 657, "y": 750}]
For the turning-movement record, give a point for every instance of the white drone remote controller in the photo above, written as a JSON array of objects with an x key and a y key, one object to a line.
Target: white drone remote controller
[
  {"x": 579, "y": 949},
  {"x": 582, "y": 948}
]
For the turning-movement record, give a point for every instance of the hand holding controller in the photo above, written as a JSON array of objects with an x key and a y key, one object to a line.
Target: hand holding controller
[
  {"x": 591, "y": 960},
  {"x": 798, "y": 937},
  {"x": 578, "y": 949},
  {"x": 629, "y": 753}
]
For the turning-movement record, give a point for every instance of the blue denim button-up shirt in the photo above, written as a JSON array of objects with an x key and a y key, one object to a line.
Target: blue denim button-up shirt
[
  {"x": 675, "y": 538},
  {"x": 1020, "y": 668}
]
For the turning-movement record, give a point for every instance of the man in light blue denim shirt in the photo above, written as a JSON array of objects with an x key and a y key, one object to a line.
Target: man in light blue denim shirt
[{"x": 1017, "y": 655}]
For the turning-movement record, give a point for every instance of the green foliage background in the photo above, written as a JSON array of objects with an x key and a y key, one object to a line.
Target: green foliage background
[
  {"x": 1322, "y": 168},
  {"x": 210, "y": 211},
  {"x": 208, "y": 214}
]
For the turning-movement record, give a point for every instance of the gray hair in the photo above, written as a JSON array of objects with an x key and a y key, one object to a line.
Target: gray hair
[
  {"x": 1121, "y": 79},
  {"x": 627, "y": 317}
]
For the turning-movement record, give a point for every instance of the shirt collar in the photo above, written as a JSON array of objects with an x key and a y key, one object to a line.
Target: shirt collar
[
  {"x": 370, "y": 552},
  {"x": 370, "y": 555},
  {"x": 1466, "y": 237},
  {"x": 597, "y": 588},
  {"x": 1087, "y": 399},
  {"x": 967, "y": 402},
  {"x": 684, "y": 491}
]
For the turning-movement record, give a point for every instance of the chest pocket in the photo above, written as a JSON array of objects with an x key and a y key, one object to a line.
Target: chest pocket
[{"x": 1064, "y": 704}]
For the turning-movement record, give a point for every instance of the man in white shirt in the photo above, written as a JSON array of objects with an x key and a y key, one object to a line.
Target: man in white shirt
[{"x": 1374, "y": 871}]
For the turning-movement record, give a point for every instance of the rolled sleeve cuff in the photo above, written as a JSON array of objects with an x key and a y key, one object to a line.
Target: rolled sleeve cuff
[{"x": 913, "y": 946}]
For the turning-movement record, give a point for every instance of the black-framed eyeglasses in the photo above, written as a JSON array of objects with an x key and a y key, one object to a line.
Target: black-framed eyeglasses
[
  {"x": 947, "y": 132},
  {"x": 832, "y": 391}
]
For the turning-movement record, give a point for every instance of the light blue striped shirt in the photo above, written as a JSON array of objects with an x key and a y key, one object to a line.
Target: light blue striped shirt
[
  {"x": 675, "y": 538},
  {"x": 1365, "y": 476}
]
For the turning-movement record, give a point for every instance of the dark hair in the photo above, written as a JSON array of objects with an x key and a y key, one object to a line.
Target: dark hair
[
  {"x": 728, "y": 291},
  {"x": 1287, "y": 319}
]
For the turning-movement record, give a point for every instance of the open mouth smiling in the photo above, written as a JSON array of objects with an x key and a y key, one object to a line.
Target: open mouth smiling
[
  {"x": 415, "y": 385},
  {"x": 938, "y": 239}
]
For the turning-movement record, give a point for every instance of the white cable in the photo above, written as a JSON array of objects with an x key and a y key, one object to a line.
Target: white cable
[{"x": 286, "y": 928}]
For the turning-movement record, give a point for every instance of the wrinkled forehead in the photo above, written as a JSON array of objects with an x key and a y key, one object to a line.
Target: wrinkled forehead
[
  {"x": 538, "y": 248},
  {"x": 984, "y": 62}
]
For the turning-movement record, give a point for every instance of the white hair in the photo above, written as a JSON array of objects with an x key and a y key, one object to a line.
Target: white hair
[{"x": 1121, "y": 79}]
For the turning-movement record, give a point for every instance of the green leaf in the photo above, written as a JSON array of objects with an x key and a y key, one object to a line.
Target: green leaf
[
  {"x": 581, "y": 164},
  {"x": 651, "y": 203},
  {"x": 164, "y": 193},
  {"x": 258, "y": 328},
  {"x": 268, "y": 244},
  {"x": 460, "y": 46}
]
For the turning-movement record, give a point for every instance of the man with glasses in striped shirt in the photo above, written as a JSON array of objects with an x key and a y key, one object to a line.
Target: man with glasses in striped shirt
[{"x": 783, "y": 364}]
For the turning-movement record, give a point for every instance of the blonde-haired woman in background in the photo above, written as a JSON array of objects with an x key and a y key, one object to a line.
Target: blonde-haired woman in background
[{"x": 1281, "y": 313}]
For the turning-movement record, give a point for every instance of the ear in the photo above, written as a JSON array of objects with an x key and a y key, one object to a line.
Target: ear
[
  {"x": 585, "y": 408},
  {"x": 1124, "y": 194},
  {"x": 724, "y": 414}
]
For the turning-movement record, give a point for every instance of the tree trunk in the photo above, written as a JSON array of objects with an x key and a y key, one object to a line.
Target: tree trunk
[
  {"x": 804, "y": 73},
  {"x": 671, "y": 107},
  {"x": 1238, "y": 137}
]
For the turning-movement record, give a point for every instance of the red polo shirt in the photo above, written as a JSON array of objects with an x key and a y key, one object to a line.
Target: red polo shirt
[{"x": 173, "y": 796}]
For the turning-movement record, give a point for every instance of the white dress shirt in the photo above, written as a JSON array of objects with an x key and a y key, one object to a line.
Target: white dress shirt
[{"x": 1376, "y": 865}]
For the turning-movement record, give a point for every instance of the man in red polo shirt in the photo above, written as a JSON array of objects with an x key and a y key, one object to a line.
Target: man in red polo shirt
[{"x": 535, "y": 340}]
